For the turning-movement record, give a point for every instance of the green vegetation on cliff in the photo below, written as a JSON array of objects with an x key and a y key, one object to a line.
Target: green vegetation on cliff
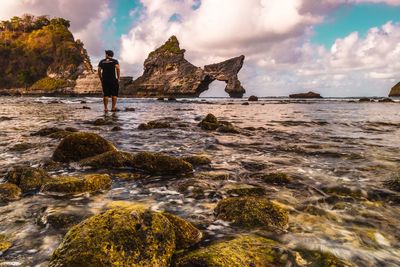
[{"x": 33, "y": 47}]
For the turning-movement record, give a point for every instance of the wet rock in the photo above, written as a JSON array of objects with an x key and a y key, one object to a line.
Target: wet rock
[
  {"x": 394, "y": 183},
  {"x": 60, "y": 134},
  {"x": 86, "y": 107},
  {"x": 102, "y": 122},
  {"x": 171, "y": 99},
  {"x": 4, "y": 244},
  {"x": 386, "y": 100},
  {"x": 121, "y": 236},
  {"x": 251, "y": 212},
  {"x": 4, "y": 118},
  {"x": 245, "y": 104},
  {"x": 9, "y": 192},
  {"x": 54, "y": 132},
  {"x": 254, "y": 165},
  {"x": 128, "y": 109},
  {"x": 252, "y": 98},
  {"x": 129, "y": 176},
  {"x": 318, "y": 258},
  {"x": 109, "y": 160},
  {"x": 154, "y": 125},
  {"x": 365, "y": 99},
  {"x": 244, "y": 190},
  {"x": 46, "y": 131},
  {"x": 76, "y": 185},
  {"x": 160, "y": 164},
  {"x": 305, "y": 95},
  {"x": 209, "y": 123},
  {"x": 243, "y": 251},
  {"x": 227, "y": 127},
  {"x": 198, "y": 160},
  {"x": 116, "y": 129},
  {"x": 214, "y": 175},
  {"x": 342, "y": 190},
  {"x": 194, "y": 188},
  {"x": 186, "y": 234},
  {"x": 81, "y": 145},
  {"x": 160, "y": 99},
  {"x": 27, "y": 178},
  {"x": 63, "y": 220},
  {"x": 22, "y": 147},
  {"x": 277, "y": 178}
]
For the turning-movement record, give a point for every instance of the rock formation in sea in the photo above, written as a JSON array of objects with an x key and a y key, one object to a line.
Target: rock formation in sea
[
  {"x": 395, "y": 91},
  {"x": 168, "y": 74},
  {"x": 306, "y": 95}
]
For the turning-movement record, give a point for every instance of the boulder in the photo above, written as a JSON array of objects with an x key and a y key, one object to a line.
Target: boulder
[
  {"x": 9, "y": 192},
  {"x": 211, "y": 123},
  {"x": 252, "y": 98},
  {"x": 123, "y": 236},
  {"x": 305, "y": 95},
  {"x": 186, "y": 234},
  {"x": 395, "y": 91},
  {"x": 78, "y": 146},
  {"x": 75, "y": 184},
  {"x": 198, "y": 160},
  {"x": 167, "y": 74},
  {"x": 251, "y": 212},
  {"x": 27, "y": 178},
  {"x": 110, "y": 160},
  {"x": 226, "y": 127},
  {"x": 160, "y": 164}
]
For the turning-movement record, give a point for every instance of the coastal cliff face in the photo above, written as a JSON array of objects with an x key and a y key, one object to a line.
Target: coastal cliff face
[
  {"x": 168, "y": 74},
  {"x": 40, "y": 54},
  {"x": 395, "y": 91}
]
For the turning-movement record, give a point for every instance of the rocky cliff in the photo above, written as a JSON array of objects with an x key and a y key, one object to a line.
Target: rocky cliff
[
  {"x": 395, "y": 91},
  {"x": 168, "y": 74},
  {"x": 39, "y": 54}
]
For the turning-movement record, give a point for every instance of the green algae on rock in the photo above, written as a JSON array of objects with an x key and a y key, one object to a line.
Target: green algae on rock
[
  {"x": 157, "y": 124},
  {"x": 4, "y": 243},
  {"x": 251, "y": 212},
  {"x": 186, "y": 234},
  {"x": 81, "y": 145},
  {"x": 277, "y": 178},
  {"x": 160, "y": 164},
  {"x": 318, "y": 258},
  {"x": 108, "y": 160},
  {"x": 197, "y": 160},
  {"x": 118, "y": 237},
  {"x": 28, "y": 178},
  {"x": 9, "y": 192},
  {"x": 243, "y": 251},
  {"x": 244, "y": 190},
  {"x": 76, "y": 185},
  {"x": 209, "y": 123}
]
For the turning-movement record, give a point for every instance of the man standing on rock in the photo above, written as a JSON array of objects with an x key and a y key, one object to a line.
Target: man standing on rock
[{"x": 109, "y": 73}]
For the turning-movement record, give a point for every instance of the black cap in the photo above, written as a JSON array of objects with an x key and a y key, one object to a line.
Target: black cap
[{"x": 109, "y": 53}]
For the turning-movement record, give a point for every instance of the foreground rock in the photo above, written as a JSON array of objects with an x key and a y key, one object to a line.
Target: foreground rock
[
  {"x": 27, "y": 178},
  {"x": 251, "y": 212},
  {"x": 78, "y": 146},
  {"x": 167, "y": 74},
  {"x": 395, "y": 91},
  {"x": 121, "y": 236},
  {"x": 160, "y": 164},
  {"x": 110, "y": 160},
  {"x": 305, "y": 95},
  {"x": 9, "y": 192},
  {"x": 76, "y": 185},
  {"x": 211, "y": 123}
]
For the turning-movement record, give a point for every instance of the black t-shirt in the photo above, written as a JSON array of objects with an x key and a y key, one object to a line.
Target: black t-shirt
[{"x": 108, "y": 67}]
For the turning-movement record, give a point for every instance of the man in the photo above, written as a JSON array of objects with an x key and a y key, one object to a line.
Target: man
[{"x": 109, "y": 73}]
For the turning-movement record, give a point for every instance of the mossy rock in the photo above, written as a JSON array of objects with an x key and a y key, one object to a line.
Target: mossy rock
[
  {"x": 63, "y": 220},
  {"x": 118, "y": 237},
  {"x": 244, "y": 190},
  {"x": 154, "y": 125},
  {"x": 160, "y": 164},
  {"x": 28, "y": 178},
  {"x": 186, "y": 234},
  {"x": 9, "y": 192},
  {"x": 198, "y": 160},
  {"x": 4, "y": 243},
  {"x": 76, "y": 185},
  {"x": 393, "y": 183},
  {"x": 278, "y": 178},
  {"x": 243, "y": 251},
  {"x": 209, "y": 123},
  {"x": 342, "y": 190},
  {"x": 102, "y": 122},
  {"x": 109, "y": 160},
  {"x": 54, "y": 132},
  {"x": 129, "y": 176},
  {"x": 51, "y": 84},
  {"x": 22, "y": 147},
  {"x": 227, "y": 127},
  {"x": 78, "y": 146},
  {"x": 317, "y": 258},
  {"x": 249, "y": 212}
]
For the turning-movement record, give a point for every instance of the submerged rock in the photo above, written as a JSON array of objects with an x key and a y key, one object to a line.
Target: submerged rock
[
  {"x": 186, "y": 234},
  {"x": 154, "y": 125},
  {"x": 243, "y": 251},
  {"x": 123, "y": 236},
  {"x": 394, "y": 183},
  {"x": 252, "y": 212},
  {"x": 54, "y": 132},
  {"x": 198, "y": 160},
  {"x": 244, "y": 190},
  {"x": 109, "y": 160},
  {"x": 305, "y": 95},
  {"x": 211, "y": 123},
  {"x": 22, "y": 147},
  {"x": 76, "y": 185},
  {"x": 28, "y": 178},
  {"x": 160, "y": 164},
  {"x": 9, "y": 192},
  {"x": 252, "y": 98},
  {"x": 63, "y": 220},
  {"x": 4, "y": 243},
  {"x": 102, "y": 122},
  {"x": 346, "y": 191},
  {"x": 81, "y": 145},
  {"x": 278, "y": 178}
]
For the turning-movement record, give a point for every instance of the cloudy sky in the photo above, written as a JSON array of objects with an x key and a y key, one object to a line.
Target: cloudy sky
[{"x": 334, "y": 47}]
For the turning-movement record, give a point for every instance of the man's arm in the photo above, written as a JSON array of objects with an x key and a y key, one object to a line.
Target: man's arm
[
  {"x": 100, "y": 73},
  {"x": 118, "y": 71}
]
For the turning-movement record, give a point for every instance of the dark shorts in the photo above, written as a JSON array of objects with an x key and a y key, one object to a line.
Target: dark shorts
[{"x": 110, "y": 88}]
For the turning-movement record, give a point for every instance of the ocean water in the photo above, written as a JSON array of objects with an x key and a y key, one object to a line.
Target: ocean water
[{"x": 319, "y": 143}]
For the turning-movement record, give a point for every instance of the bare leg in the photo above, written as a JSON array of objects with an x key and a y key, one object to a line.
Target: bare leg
[
  {"x": 114, "y": 103},
  {"x": 105, "y": 100}
]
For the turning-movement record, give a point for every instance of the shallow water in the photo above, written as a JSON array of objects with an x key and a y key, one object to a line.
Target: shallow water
[{"x": 319, "y": 143}]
